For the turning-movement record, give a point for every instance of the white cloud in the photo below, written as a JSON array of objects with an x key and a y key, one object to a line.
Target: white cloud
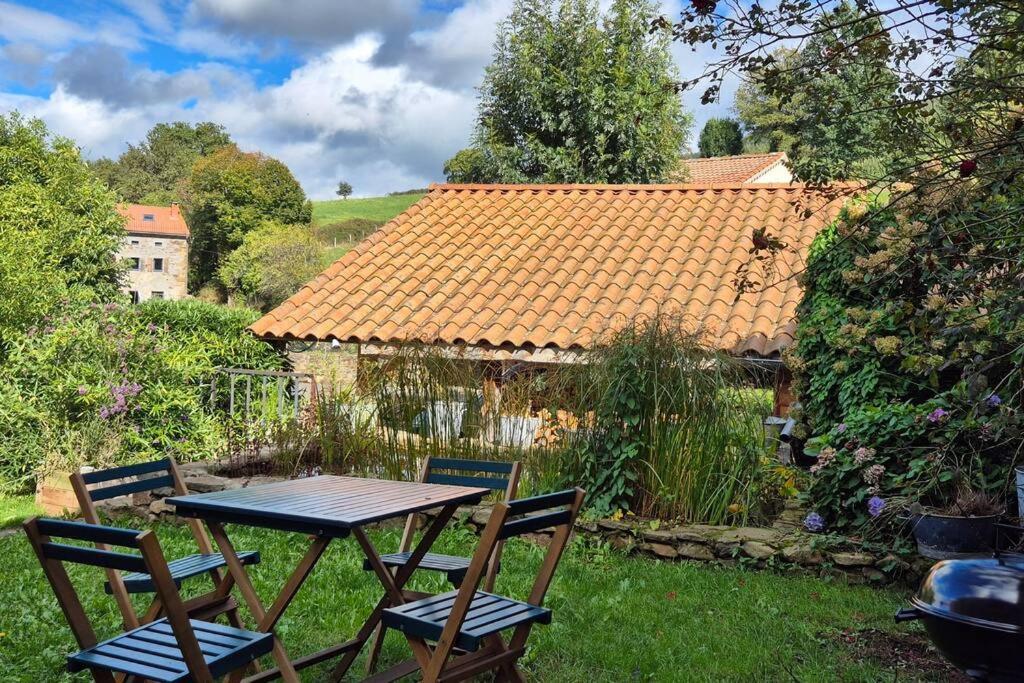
[{"x": 24, "y": 24}]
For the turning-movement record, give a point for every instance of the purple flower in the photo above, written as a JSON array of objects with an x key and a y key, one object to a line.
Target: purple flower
[
  {"x": 993, "y": 400},
  {"x": 875, "y": 506},
  {"x": 840, "y": 428},
  {"x": 104, "y": 414},
  {"x": 110, "y": 307},
  {"x": 151, "y": 328},
  {"x": 83, "y": 390},
  {"x": 937, "y": 415},
  {"x": 814, "y": 522}
]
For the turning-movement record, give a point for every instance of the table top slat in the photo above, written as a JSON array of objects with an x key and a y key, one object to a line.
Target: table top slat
[{"x": 323, "y": 504}]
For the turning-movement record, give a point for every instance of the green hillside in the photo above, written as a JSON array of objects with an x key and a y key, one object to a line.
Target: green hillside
[{"x": 380, "y": 209}]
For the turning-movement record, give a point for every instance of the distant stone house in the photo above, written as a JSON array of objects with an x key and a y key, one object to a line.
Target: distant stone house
[
  {"x": 749, "y": 169},
  {"x": 156, "y": 249},
  {"x": 536, "y": 273}
]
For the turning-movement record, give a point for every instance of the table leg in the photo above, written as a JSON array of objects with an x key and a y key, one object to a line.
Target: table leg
[
  {"x": 393, "y": 584},
  {"x": 252, "y": 599}
]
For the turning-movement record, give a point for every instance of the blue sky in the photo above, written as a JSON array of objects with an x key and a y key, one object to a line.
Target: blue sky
[{"x": 377, "y": 92}]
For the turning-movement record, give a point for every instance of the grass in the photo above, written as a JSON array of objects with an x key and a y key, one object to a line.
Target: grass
[
  {"x": 15, "y": 509},
  {"x": 617, "y": 618},
  {"x": 370, "y": 208}
]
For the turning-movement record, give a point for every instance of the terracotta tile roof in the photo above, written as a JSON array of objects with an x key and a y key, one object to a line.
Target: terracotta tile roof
[
  {"x": 743, "y": 168},
  {"x": 535, "y": 266},
  {"x": 154, "y": 220}
]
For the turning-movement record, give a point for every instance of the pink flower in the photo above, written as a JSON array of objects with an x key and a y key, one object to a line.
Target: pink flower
[{"x": 873, "y": 474}]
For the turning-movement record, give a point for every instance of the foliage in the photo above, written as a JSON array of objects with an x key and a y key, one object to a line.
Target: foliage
[
  {"x": 271, "y": 264},
  {"x": 570, "y": 97},
  {"x": 898, "y": 322},
  {"x": 110, "y": 384},
  {"x": 344, "y": 189},
  {"x": 230, "y": 193},
  {"x": 672, "y": 434},
  {"x": 720, "y": 137},
  {"x": 59, "y": 230},
  {"x": 829, "y": 125},
  {"x": 153, "y": 171},
  {"x": 350, "y": 230}
]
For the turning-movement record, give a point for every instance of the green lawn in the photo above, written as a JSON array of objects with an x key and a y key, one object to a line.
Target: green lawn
[
  {"x": 15, "y": 509},
  {"x": 370, "y": 208},
  {"x": 617, "y": 618}
]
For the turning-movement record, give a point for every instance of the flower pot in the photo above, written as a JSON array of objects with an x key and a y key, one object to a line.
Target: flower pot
[
  {"x": 943, "y": 537},
  {"x": 55, "y": 495}
]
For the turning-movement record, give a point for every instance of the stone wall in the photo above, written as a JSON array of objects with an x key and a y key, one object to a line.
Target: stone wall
[
  {"x": 172, "y": 280},
  {"x": 782, "y": 546}
]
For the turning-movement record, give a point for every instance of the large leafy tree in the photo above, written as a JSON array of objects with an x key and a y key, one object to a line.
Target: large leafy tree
[
  {"x": 230, "y": 193},
  {"x": 720, "y": 137},
  {"x": 153, "y": 171},
  {"x": 574, "y": 97},
  {"x": 831, "y": 123},
  {"x": 272, "y": 263},
  {"x": 59, "y": 229}
]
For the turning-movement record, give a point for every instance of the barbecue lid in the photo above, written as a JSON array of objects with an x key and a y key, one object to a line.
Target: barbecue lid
[{"x": 984, "y": 590}]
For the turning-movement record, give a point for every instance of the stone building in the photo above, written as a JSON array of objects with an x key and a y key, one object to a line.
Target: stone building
[{"x": 157, "y": 251}]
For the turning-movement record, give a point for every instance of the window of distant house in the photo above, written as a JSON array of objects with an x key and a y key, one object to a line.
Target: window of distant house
[
  {"x": 158, "y": 244},
  {"x": 134, "y": 263},
  {"x": 135, "y": 243},
  {"x": 158, "y": 264},
  {"x": 148, "y": 217},
  {"x": 156, "y": 295},
  {"x": 134, "y": 295}
]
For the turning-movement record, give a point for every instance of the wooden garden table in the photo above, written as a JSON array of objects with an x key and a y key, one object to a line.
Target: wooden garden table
[{"x": 326, "y": 508}]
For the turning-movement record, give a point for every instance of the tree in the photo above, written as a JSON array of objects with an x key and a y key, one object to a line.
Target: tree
[
  {"x": 720, "y": 138},
  {"x": 59, "y": 228},
  {"x": 228, "y": 194},
  {"x": 572, "y": 97},
  {"x": 344, "y": 189},
  {"x": 153, "y": 171},
  {"x": 272, "y": 263}
]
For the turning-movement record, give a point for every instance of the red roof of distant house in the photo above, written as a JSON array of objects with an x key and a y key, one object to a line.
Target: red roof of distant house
[
  {"x": 742, "y": 168},
  {"x": 554, "y": 266},
  {"x": 166, "y": 221}
]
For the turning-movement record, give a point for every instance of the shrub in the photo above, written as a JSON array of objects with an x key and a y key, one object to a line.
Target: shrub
[
  {"x": 909, "y": 347},
  {"x": 106, "y": 385}
]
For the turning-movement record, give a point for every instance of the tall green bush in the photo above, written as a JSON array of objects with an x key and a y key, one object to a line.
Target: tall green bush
[{"x": 111, "y": 384}]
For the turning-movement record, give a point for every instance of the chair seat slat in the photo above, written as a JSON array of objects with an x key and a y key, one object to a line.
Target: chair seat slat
[
  {"x": 183, "y": 568},
  {"x": 172, "y": 663},
  {"x": 87, "y": 659}
]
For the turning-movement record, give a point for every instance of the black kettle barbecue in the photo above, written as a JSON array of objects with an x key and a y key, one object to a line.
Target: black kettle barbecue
[{"x": 973, "y": 610}]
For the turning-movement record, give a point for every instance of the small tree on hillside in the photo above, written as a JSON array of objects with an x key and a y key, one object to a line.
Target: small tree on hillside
[
  {"x": 720, "y": 138},
  {"x": 344, "y": 189}
]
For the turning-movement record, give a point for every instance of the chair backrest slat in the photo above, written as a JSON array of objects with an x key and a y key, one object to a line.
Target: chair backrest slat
[
  {"x": 525, "y": 525},
  {"x": 91, "y": 556},
  {"x": 461, "y": 480},
  {"x": 93, "y": 533},
  {"x": 471, "y": 465},
  {"x": 137, "y": 486},
  {"x": 544, "y": 501},
  {"x": 97, "y": 476}
]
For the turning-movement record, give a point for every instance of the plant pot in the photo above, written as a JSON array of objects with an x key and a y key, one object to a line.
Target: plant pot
[
  {"x": 55, "y": 495},
  {"x": 943, "y": 537}
]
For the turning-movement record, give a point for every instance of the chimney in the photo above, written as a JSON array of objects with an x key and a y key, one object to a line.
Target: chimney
[{"x": 174, "y": 209}]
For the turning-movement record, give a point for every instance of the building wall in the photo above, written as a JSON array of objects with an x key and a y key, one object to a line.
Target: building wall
[
  {"x": 172, "y": 281},
  {"x": 778, "y": 173}
]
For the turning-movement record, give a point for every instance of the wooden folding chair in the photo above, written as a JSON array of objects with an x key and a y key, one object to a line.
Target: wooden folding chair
[
  {"x": 169, "y": 650},
  {"x": 471, "y": 620},
  {"x": 497, "y": 476},
  {"x": 146, "y": 477}
]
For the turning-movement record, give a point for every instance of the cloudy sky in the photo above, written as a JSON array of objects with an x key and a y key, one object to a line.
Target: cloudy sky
[{"x": 377, "y": 92}]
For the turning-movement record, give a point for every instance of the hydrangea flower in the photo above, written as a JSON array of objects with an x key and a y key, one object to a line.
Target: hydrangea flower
[
  {"x": 840, "y": 428},
  {"x": 875, "y": 506},
  {"x": 826, "y": 456},
  {"x": 814, "y": 522},
  {"x": 937, "y": 415},
  {"x": 863, "y": 455},
  {"x": 993, "y": 400},
  {"x": 873, "y": 474}
]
